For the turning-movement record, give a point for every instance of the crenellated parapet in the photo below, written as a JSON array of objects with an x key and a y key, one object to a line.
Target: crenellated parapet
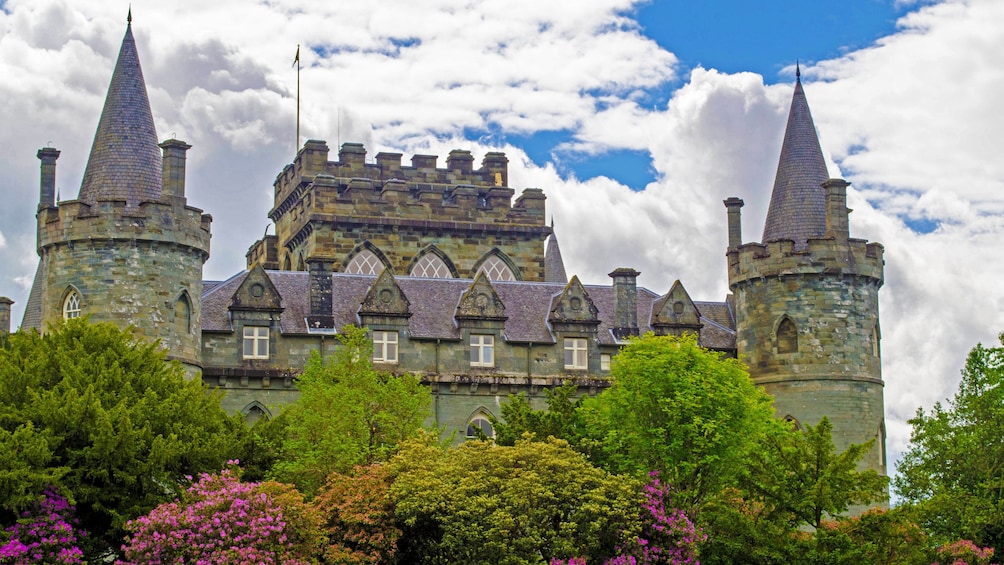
[
  {"x": 387, "y": 188},
  {"x": 170, "y": 222},
  {"x": 826, "y": 256}
]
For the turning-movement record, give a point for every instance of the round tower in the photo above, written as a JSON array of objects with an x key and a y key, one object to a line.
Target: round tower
[
  {"x": 806, "y": 299},
  {"x": 128, "y": 250}
]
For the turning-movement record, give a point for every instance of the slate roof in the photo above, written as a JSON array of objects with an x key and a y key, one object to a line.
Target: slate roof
[
  {"x": 125, "y": 161},
  {"x": 798, "y": 203},
  {"x": 554, "y": 266},
  {"x": 434, "y": 302},
  {"x": 33, "y": 308}
]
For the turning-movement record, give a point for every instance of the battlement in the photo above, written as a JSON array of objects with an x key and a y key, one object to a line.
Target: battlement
[
  {"x": 386, "y": 188},
  {"x": 170, "y": 221},
  {"x": 829, "y": 256}
]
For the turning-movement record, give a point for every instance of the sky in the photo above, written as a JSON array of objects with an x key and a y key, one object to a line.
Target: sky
[{"x": 636, "y": 118}]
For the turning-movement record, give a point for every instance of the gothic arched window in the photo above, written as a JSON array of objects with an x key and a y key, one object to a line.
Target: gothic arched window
[
  {"x": 431, "y": 266},
  {"x": 71, "y": 305},
  {"x": 182, "y": 315},
  {"x": 496, "y": 269},
  {"x": 365, "y": 263},
  {"x": 787, "y": 336},
  {"x": 479, "y": 426}
]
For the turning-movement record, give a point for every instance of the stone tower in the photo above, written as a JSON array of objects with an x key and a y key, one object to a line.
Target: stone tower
[
  {"x": 806, "y": 298},
  {"x": 128, "y": 250}
]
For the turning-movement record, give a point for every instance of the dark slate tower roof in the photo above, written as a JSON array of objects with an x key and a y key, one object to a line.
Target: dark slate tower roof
[
  {"x": 798, "y": 204},
  {"x": 125, "y": 162},
  {"x": 554, "y": 266}
]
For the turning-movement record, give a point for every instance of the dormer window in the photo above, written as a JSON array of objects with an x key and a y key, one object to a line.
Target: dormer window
[{"x": 255, "y": 342}]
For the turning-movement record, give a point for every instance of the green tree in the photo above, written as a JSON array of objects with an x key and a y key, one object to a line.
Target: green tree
[
  {"x": 348, "y": 414},
  {"x": 681, "y": 410},
  {"x": 953, "y": 470},
  {"x": 561, "y": 419},
  {"x": 102, "y": 416},
  {"x": 482, "y": 503}
]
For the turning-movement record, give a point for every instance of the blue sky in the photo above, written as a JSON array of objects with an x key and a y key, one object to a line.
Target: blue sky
[{"x": 732, "y": 36}]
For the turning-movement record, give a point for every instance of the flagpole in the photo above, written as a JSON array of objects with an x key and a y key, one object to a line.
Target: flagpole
[{"x": 296, "y": 146}]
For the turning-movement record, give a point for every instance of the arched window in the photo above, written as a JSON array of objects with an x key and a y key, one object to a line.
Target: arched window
[
  {"x": 300, "y": 265},
  {"x": 480, "y": 427},
  {"x": 875, "y": 340},
  {"x": 182, "y": 315},
  {"x": 787, "y": 336},
  {"x": 254, "y": 412},
  {"x": 496, "y": 269},
  {"x": 287, "y": 264},
  {"x": 794, "y": 423},
  {"x": 71, "y": 305},
  {"x": 431, "y": 266},
  {"x": 365, "y": 263}
]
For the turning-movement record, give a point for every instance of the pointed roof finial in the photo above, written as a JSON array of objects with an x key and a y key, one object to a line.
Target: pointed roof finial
[
  {"x": 798, "y": 72},
  {"x": 129, "y": 16},
  {"x": 552, "y": 222}
]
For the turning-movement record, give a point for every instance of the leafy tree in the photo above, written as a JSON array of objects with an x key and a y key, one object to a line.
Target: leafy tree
[
  {"x": 358, "y": 516},
  {"x": 561, "y": 419},
  {"x": 104, "y": 418},
  {"x": 529, "y": 503},
  {"x": 681, "y": 410},
  {"x": 224, "y": 521},
  {"x": 953, "y": 470},
  {"x": 348, "y": 414}
]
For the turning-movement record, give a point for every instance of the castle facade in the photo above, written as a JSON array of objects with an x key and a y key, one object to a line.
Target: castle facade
[{"x": 456, "y": 280}]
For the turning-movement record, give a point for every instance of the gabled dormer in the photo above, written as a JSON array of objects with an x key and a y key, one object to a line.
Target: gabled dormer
[
  {"x": 385, "y": 302},
  {"x": 573, "y": 309},
  {"x": 256, "y": 292},
  {"x": 480, "y": 303},
  {"x": 675, "y": 313}
]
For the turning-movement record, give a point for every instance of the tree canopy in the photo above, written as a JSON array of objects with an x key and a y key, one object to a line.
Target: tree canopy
[
  {"x": 107, "y": 421},
  {"x": 953, "y": 470}
]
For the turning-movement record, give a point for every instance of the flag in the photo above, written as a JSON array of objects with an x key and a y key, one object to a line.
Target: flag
[{"x": 297, "y": 58}]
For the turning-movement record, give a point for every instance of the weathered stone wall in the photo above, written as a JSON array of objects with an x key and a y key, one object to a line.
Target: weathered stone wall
[{"x": 131, "y": 268}]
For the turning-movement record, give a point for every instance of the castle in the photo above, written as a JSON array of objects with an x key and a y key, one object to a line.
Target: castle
[{"x": 456, "y": 281}]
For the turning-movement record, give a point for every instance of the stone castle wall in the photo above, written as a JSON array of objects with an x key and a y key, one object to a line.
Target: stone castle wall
[{"x": 131, "y": 267}]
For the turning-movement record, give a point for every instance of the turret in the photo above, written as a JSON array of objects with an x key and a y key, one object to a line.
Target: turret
[{"x": 806, "y": 298}]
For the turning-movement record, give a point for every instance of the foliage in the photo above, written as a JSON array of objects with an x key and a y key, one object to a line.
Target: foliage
[
  {"x": 223, "y": 521},
  {"x": 375, "y": 412},
  {"x": 964, "y": 552},
  {"x": 681, "y": 410},
  {"x": 45, "y": 534},
  {"x": 560, "y": 420},
  {"x": 953, "y": 470},
  {"x": 801, "y": 474},
  {"x": 106, "y": 419},
  {"x": 668, "y": 535},
  {"x": 491, "y": 504},
  {"x": 358, "y": 517}
]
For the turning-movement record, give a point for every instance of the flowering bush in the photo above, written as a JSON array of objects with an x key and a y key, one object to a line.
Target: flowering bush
[
  {"x": 45, "y": 534},
  {"x": 222, "y": 521},
  {"x": 963, "y": 552}
]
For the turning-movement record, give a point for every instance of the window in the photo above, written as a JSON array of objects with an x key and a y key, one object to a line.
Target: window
[
  {"x": 787, "y": 336},
  {"x": 71, "y": 305},
  {"x": 575, "y": 353},
  {"x": 482, "y": 350},
  {"x": 255, "y": 343},
  {"x": 604, "y": 361},
  {"x": 385, "y": 347},
  {"x": 182, "y": 316},
  {"x": 496, "y": 269},
  {"x": 364, "y": 263},
  {"x": 479, "y": 427},
  {"x": 431, "y": 266}
]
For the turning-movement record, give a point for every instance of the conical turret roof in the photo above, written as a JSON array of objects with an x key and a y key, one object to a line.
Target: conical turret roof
[
  {"x": 798, "y": 204},
  {"x": 125, "y": 162},
  {"x": 554, "y": 266}
]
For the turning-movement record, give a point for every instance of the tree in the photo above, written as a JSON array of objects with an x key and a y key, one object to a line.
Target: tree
[
  {"x": 560, "y": 420},
  {"x": 348, "y": 414},
  {"x": 953, "y": 470},
  {"x": 529, "y": 503},
  {"x": 105, "y": 419},
  {"x": 224, "y": 521},
  {"x": 681, "y": 410},
  {"x": 358, "y": 516}
]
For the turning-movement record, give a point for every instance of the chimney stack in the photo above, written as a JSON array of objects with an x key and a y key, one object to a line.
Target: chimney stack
[
  {"x": 47, "y": 186},
  {"x": 5, "y": 315},
  {"x": 836, "y": 209},
  {"x": 173, "y": 170},
  {"x": 320, "y": 294},
  {"x": 734, "y": 206},
  {"x": 625, "y": 322}
]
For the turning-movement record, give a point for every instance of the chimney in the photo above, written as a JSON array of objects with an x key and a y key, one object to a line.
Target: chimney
[
  {"x": 320, "y": 294},
  {"x": 734, "y": 206},
  {"x": 173, "y": 171},
  {"x": 47, "y": 186},
  {"x": 625, "y": 322},
  {"x": 5, "y": 315},
  {"x": 836, "y": 209}
]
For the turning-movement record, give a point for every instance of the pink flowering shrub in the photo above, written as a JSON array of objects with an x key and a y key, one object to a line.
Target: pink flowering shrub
[
  {"x": 963, "y": 552},
  {"x": 668, "y": 535},
  {"x": 45, "y": 534},
  {"x": 222, "y": 521}
]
